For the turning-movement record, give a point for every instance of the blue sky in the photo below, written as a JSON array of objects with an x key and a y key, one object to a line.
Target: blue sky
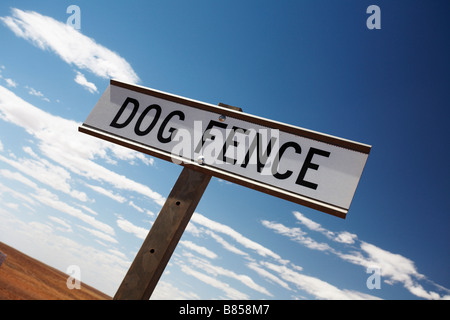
[{"x": 70, "y": 199}]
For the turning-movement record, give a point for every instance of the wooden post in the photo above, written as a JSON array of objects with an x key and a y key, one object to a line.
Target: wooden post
[{"x": 154, "y": 254}]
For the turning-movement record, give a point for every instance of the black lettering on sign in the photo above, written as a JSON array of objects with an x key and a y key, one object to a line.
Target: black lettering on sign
[
  {"x": 276, "y": 161},
  {"x": 172, "y": 131},
  {"x": 207, "y": 134},
  {"x": 231, "y": 142},
  {"x": 128, "y": 100},
  {"x": 261, "y": 157},
  {"x": 309, "y": 165},
  {"x": 137, "y": 128}
]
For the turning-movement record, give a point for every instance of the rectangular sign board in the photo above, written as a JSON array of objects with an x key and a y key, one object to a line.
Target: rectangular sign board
[{"x": 307, "y": 167}]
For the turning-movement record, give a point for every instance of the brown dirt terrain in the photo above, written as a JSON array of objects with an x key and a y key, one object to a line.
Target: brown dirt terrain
[{"x": 24, "y": 278}]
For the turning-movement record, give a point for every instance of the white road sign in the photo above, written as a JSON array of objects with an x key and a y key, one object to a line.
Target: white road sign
[{"x": 296, "y": 164}]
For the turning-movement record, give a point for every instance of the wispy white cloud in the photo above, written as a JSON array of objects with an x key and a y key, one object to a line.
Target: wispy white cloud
[
  {"x": 271, "y": 266},
  {"x": 238, "y": 237},
  {"x": 217, "y": 271},
  {"x": 18, "y": 177},
  {"x": 129, "y": 227},
  {"x": 297, "y": 235},
  {"x": 11, "y": 83},
  {"x": 81, "y": 80},
  {"x": 47, "y": 173},
  {"x": 101, "y": 235},
  {"x": 34, "y": 92},
  {"x": 51, "y": 200},
  {"x": 24, "y": 199},
  {"x": 150, "y": 213},
  {"x": 108, "y": 193},
  {"x": 69, "y": 44},
  {"x": 167, "y": 291},
  {"x": 60, "y": 141},
  {"x": 395, "y": 268},
  {"x": 267, "y": 275},
  {"x": 85, "y": 208},
  {"x": 225, "y": 244},
  {"x": 67, "y": 226},
  {"x": 230, "y": 293},
  {"x": 135, "y": 206},
  {"x": 11, "y": 205},
  {"x": 343, "y": 237},
  {"x": 28, "y": 150},
  {"x": 199, "y": 249},
  {"x": 315, "y": 286},
  {"x": 193, "y": 229}
]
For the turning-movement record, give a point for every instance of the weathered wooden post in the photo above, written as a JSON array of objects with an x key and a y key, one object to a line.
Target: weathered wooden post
[{"x": 155, "y": 252}]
